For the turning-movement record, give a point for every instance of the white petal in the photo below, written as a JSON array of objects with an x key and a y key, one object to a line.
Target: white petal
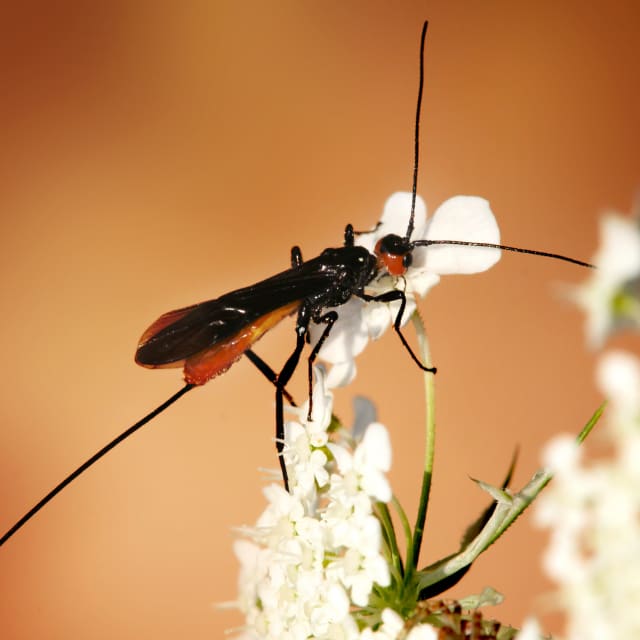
[
  {"x": 376, "y": 485},
  {"x": 423, "y": 632},
  {"x": 378, "y": 570},
  {"x": 364, "y": 414},
  {"x": 338, "y": 601},
  {"x": 376, "y": 447},
  {"x": 392, "y": 623},
  {"x": 530, "y": 630},
  {"x": 322, "y": 400},
  {"x": 422, "y": 281},
  {"x": 372, "y": 458},
  {"x": 377, "y": 316},
  {"x": 395, "y": 219},
  {"x": 349, "y": 334},
  {"x": 397, "y": 210},
  {"x": 561, "y": 454},
  {"x": 341, "y": 374},
  {"x": 246, "y": 552},
  {"x": 619, "y": 255},
  {"x": 467, "y": 218},
  {"x": 618, "y": 375},
  {"x": 343, "y": 458},
  {"x": 361, "y": 586}
]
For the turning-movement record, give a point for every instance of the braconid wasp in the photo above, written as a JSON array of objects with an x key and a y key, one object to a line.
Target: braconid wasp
[{"x": 207, "y": 338}]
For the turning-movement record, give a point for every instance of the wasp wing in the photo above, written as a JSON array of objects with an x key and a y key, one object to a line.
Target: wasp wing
[{"x": 182, "y": 333}]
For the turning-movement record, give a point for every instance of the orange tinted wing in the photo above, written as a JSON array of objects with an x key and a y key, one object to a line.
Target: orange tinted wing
[
  {"x": 178, "y": 335},
  {"x": 215, "y": 360},
  {"x": 218, "y": 331}
]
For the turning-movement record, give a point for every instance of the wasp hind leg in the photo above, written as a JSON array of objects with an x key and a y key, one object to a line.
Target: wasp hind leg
[
  {"x": 302, "y": 324},
  {"x": 281, "y": 380},
  {"x": 268, "y": 373}
]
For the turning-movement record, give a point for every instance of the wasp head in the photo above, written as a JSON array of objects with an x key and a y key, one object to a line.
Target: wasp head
[{"x": 394, "y": 254}]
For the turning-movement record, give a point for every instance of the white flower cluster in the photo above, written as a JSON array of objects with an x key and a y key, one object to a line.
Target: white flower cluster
[
  {"x": 593, "y": 508},
  {"x": 315, "y": 554}
]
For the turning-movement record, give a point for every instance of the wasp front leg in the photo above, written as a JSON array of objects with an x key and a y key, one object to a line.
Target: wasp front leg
[{"x": 392, "y": 296}]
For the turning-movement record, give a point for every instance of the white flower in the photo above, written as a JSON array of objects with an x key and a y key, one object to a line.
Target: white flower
[
  {"x": 466, "y": 218},
  {"x": 369, "y": 462},
  {"x": 361, "y": 565},
  {"x": 392, "y": 627},
  {"x": 305, "y": 440},
  {"x": 530, "y": 630},
  {"x": 423, "y": 632},
  {"x": 315, "y": 554},
  {"x": 618, "y": 376},
  {"x": 610, "y": 295}
]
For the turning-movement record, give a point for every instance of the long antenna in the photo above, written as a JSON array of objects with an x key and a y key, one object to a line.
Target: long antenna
[
  {"x": 416, "y": 134},
  {"x": 414, "y": 187},
  {"x": 94, "y": 458},
  {"x": 504, "y": 247}
]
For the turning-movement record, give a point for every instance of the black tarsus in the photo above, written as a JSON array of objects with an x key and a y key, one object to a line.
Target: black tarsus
[
  {"x": 94, "y": 458},
  {"x": 360, "y": 233}
]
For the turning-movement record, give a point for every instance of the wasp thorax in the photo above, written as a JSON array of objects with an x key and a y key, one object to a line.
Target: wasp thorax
[{"x": 394, "y": 254}]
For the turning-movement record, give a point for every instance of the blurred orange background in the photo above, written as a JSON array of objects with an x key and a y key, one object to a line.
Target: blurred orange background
[{"x": 154, "y": 156}]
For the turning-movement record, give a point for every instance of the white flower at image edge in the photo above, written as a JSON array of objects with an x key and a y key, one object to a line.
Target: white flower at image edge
[
  {"x": 618, "y": 263},
  {"x": 618, "y": 376},
  {"x": 466, "y": 218},
  {"x": 592, "y": 509}
]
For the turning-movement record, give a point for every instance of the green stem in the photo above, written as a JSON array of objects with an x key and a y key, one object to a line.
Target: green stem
[
  {"x": 586, "y": 430},
  {"x": 430, "y": 441},
  {"x": 390, "y": 536},
  {"x": 507, "y": 509},
  {"x": 406, "y": 528}
]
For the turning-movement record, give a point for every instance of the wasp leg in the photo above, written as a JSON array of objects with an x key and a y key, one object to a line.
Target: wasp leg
[
  {"x": 348, "y": 236},
  {"x": 329, "y": 319},
  {"x": 268, "y": 373},
  {"x": 391, "y": 296},
  {"x": 304, "y": 316},
  {"x": 296, "y": 257}
]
